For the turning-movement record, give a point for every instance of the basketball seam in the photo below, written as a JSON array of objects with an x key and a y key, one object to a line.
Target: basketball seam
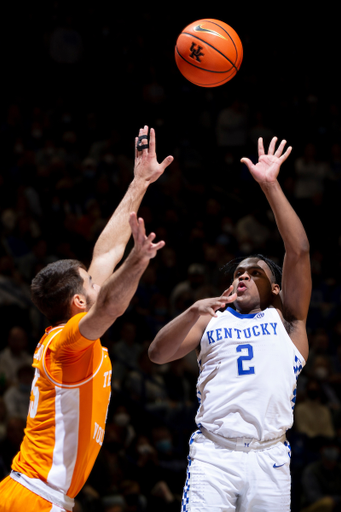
[
  {"x": 226, "y": 32},
  {"x": 202, "y": 69},
  {"x": 214, "y": 48}
]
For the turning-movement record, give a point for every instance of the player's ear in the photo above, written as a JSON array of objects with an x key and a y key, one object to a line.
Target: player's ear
[
  {"x": 79, "y": 301},
  {"x": 275, "y": 289}
]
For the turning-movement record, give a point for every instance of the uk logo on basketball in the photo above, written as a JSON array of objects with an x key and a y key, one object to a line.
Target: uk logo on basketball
[{"x": 196, "y": 52}]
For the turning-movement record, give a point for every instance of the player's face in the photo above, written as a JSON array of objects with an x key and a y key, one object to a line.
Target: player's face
[
  {"x": 91, "y": 289},
  {"x": 252, "y": 281}
]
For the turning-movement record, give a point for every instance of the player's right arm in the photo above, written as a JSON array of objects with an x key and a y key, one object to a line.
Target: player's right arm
[
  {"x": 296, "y": 278},
  {"x": 183, "y": 333},
  {"x": 117, "y": 291}
]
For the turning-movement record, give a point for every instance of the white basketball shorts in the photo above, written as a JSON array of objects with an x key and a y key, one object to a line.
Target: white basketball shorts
[{"x": 223, "y": 480}]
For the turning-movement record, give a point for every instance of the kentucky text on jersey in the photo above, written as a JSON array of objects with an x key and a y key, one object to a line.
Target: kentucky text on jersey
[{"x": 265, "y": 329}]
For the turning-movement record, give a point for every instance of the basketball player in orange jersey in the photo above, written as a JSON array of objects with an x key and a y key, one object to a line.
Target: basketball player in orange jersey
[{"x": 72, "y": 383}]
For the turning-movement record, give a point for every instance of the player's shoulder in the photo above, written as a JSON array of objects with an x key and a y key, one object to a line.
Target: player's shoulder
[{"x": 67, "y": 330}]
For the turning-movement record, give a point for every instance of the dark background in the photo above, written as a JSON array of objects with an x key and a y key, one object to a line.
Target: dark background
[{"x": 122, "y": 75}]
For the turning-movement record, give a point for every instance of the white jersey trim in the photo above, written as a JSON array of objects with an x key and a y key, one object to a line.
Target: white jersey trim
[
  {"x": 43, "y": 490},
  {"x": 68, "y": 386},
  {"x": 66, "y": 438}
]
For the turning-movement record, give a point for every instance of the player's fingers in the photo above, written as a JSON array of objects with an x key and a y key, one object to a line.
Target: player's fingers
[
  {"x": 143, "y": 140},
  {"x": 272, "y": 146},
  {"x": 219, "y": 305},
  {"x": 133, "y": 223},
  {"x": 138, "y": 231},
  {"x": 247, "y": 162},
  {"x": 159, "y": 245},
  {"x": 166, "y": 162},
  {"x": 155, "y": 247},
  {"x": 151, "y": 237},
  {"x": 286, "y": 154},
  {"x": 260, "y": 147},
  {"x": 280, "y": 148},
  {"x": 227, "y": 292},
  {"x": 152, "y": 142},
  {"x": 142, "y": 227}
]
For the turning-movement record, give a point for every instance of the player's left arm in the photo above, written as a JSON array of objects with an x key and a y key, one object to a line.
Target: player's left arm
[
  {"x": 296, "y": 278},
  {"x": 110, "y": 246}
]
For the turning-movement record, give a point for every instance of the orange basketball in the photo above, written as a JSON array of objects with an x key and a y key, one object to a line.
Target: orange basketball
[{"x": 208, "y": 52}]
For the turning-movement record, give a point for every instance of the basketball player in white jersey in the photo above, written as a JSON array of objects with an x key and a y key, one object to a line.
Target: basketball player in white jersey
[
  {"x": 249, "y": 358},
  {"x": 72, "y": 384}
]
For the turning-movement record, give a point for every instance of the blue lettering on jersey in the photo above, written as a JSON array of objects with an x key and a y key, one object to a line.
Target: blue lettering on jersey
[
  {"x": 210, "y": 337},
  {"x": 228, "y": 332},
  {"x": 247, "y": 332},
  {"x": 264, "y": 329},
  {"x": 274, "y": 326},
  {"x": 253, "y": 331}
]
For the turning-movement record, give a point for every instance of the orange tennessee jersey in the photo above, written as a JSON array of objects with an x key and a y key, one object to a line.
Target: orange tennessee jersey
[{"x": 68, "y": 408}]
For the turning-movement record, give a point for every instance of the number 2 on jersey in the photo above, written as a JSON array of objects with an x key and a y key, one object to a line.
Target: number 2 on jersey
[{"x": 241, "y": 369}]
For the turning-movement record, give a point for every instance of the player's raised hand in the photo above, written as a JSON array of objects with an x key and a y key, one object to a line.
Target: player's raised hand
[
  {"x": 144, "y": 248},
  {"x": 210, "y": 306},
  {"x": 267, "y": 168},
  {"x": 146, "y": 164}
]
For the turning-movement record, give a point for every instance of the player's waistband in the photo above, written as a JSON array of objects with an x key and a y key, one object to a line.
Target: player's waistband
[
  {"x": 243, "y": 444},
  {"x": 44, "y": 490}
]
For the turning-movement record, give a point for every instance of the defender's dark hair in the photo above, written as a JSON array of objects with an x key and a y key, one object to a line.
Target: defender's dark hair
[
  {"x": 231, "y": 266},
  {"x": 53, "y": 288}
]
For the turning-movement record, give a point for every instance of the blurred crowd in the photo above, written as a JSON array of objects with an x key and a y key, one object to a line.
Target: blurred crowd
[{"x": 66, "y": 161}]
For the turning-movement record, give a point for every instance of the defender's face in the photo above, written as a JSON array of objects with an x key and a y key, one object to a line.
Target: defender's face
[
  {"x": 91, "y": 289},
  {"x": 252, "y": 282}
]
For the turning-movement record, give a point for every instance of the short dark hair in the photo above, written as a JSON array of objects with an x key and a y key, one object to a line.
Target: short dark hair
[
  {"x": 53, "y": 288},
  {"x": 231, "y": 266}
]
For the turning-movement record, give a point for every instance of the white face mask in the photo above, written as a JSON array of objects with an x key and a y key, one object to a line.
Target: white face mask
[
  {"x": 122, "y": 419},
  {"x": 144, "y": 448}
]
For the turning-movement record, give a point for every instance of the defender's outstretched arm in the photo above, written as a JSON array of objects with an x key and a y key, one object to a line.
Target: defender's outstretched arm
[{"x": 110, "y": 246}]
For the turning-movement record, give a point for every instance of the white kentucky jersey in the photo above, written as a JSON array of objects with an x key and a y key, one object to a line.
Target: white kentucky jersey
[{"x": 248, "y": 376}]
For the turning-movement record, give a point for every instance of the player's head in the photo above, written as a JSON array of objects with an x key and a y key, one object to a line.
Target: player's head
[
  {"x": 63, "y": 288},
  {"x": 256, "y": 280}
]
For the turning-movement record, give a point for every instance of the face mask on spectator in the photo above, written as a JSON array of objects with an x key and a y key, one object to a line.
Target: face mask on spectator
[
  {"x": 144, "y": 449},
  {"x": 164, "y": 445}
]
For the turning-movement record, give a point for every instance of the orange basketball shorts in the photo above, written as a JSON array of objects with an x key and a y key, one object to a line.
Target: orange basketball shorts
[{"x": 14, "y": 497}]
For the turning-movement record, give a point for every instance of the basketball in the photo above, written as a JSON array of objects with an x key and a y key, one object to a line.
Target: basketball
[{"x": 208, "y": 53}]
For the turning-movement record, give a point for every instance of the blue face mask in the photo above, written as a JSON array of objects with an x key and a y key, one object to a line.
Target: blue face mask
[{"x": 164, "y": 445}]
